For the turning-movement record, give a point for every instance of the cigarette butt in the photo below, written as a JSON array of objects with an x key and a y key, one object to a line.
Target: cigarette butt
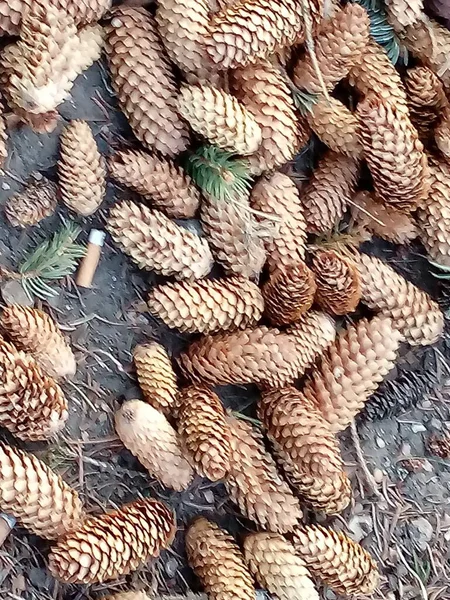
[
  {"x": 91, "y": 259},
  {"x": 6, "y": 524}
]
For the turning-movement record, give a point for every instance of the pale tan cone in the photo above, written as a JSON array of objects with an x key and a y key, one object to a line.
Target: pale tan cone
[
  {"x": 314, "y": 331},
  {"x": 426, "y": 100},
  {"x": 151, "y": 438},
  {"x": 414, "y": 314},
  {"x": 254, "y": 483},
  {"x": 144, "y": 81},
  {"x": 277, "y": 568},
  {"x": 81, "y": 169},
  {"x": 352, "y": 369},
  {"x": 401, "y": 13},
  {"x": 156, "y": 377},
  {"x": 37, "y": 201},
  {"x": 442, "y": 133},
  {"x": 36, "y": 496},
  {"x": 158, "y": 244},
  {"x": 36, "y": 332}
]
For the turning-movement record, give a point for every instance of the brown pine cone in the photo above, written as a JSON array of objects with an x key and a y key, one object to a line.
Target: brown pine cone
[
  {"x": 36, "y": 496},
  {"x": 439, "y": 446},
  {"x": 158, "y": 244},
  {"x": 151, "y": 438},
  {"x": 337, "y": 560},
  {"x": 337, "y": 279},
  {"x": 442, "y": 133},
  {"x": 34, "y": 331},
  {"x": 156, "y": 377},
  {"x": 401, "y": 13},
  {"x": 34, "y": 204},
  {"x": 207, "y": 306},
  {"x": 314, "y": 331},
  {"x": 351, "y": 370},
  {"x": 218, "y": 562},
  {"x": 81, "y": 168},
  {"x": 426, "y": 99},
  {"x": 329, "y": 191},
  {"x": 144, "y": 82},
  {"x": 113, "y": 544},
  {"x": 254, "y": 484},
  {"x": 159, "y": 180},
  {"x": 288, "y": 293},
  {"x": 277, "y": 568},
  {"x": 204, "y": 431}
]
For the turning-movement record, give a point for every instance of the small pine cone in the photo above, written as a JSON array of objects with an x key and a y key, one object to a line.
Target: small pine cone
[
  {"x": 113, "y": 544},
  {"x": 338, "y": 48},
  {"x": 401, "y": 13},
  {"x": 204, "y": 431},
  {"x": 442, "y": 133},
  {"x": 351, "y": 370},
  {"x": 254, "y": 483},
  {"x": 382, "y": 220},
  {"x": 217, "y": 560},
  {"x": 288, "y": 293},
  {"x": 277, "y": 568},
  {"x": 314, "y": 331},
  {"x": 426, "y": 99},
  {"x": 306, "y": 449},
  {"x": 34, "y": 204},
  {"x": 36, "y": 496},
  {"x": 36, "y": 332},
  {"x": 329, "y": 191},
  {"x": 151, "y": 438},
  {"x": 220, "y": 118},
  {"x": 337, "y": 279},
  {"x": 337, "y": 560},
  {"x": 158, "y": 244},
  {"x": 278, "y": 197},
  {"x": 144, "y": 82},
  {"x": 439, "y": 446},
  {"x": 159, "y": 180},
  {"x": 263, "y": 90},
  {"x": 81, "y": 168},
  {"x": 207, "y": 306},
  {"x": 156, "y": 377},
  {"x": 414, "y": 314}
]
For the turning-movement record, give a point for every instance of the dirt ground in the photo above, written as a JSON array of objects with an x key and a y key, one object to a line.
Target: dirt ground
[{"x": 404, "y": 521}]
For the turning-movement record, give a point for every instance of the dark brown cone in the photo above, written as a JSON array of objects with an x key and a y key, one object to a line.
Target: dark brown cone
[{"x": 338, "y": 282}]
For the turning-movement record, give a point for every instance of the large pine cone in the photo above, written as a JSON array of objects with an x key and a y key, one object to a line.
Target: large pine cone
[
  {"x": 35, "y": 203},
  {"x": 156, "y": 377},
  {"x": 426, "y": 99},
  {"x": 401, "y": 13}
]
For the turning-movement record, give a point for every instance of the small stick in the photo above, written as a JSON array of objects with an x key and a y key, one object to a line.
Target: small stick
[{"x": 362, "y": 462}]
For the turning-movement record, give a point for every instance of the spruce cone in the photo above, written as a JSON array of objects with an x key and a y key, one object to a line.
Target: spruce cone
[
  {"x": 217, "y": 561},
  {"x": 306, "y": 449},
  {"x": 36, "y": 496},
  {"x": 330, "y": 189},
  {"x": 156, "y": 377},
  {"x": 34, "y": 204},
  {"x": 158, "y": 180},
  {"x": 277, "y": 568},
  {"x": 401, "y": 13},
  {"x": 338, "y": 286},
  {"x": 151, "y": 438},
  {"x": 220, "y": 118},
  {"x": 204, "y": 431},
  {"x": 113, "y": 544},
  {"x": 254, "y": 483},
  {"x": 263, "y": 90},
  {"x": 34, "y": 331},
  {"x": 288, "y": 293},
  {"x": 81, "y": 167},
  {"x": 439, "y": 447},
  {"x": 414, "y": 314},
  {"x": 144, "y": 82},
  {"x": 337, "y": 560},
  {"x": 355, "y": 364},
  {"x": 314, "y": 331},
  {"x": 156, "y": 243},
  {"x": 442, "y": 133},
  {"x": 426, "y": 99},
  {"x": 207, "y": 306}
]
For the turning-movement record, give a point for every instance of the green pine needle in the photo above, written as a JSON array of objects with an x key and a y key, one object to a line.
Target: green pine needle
[{"x": 304, "y": 101}]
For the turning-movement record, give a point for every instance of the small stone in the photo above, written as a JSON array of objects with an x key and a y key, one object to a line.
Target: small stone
[
  {"x": 436, "y": 423},
  {"x": 13, "y": 293},
  {"x": 171, "y": 567},
  {"x": 418, "y": 428},
  {"x": 405, "y": 449},
  {"x": 360, "y": 526},
  {"x": 421, "y": 532},
  {"x": 209, "y": 496},
  {"x": 5, "y": 186},
  {"x": 380, "y": 442},
  {"x": 426, "y": 404},
  {"x": 378, "y": 475}
]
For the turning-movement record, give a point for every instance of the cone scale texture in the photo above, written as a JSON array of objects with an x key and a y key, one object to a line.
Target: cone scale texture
[
  {"x": 34, "y": 204},
  {"x": 401, "y": 13},
  {"x": 314, "y": 331},
  {"x": 426, "y": 99},
  {"x": 156, "y": 376}
]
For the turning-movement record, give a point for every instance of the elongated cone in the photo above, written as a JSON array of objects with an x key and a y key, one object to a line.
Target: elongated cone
[
  {"x": 351, "y": 370},
  {"x": 113, "y": 544},
  {"x": 426, "y": 99},
  {"x": 337, "y": 279},
  {"x": 204, "y": 431},
  {"x": 442, "y": 133},
  {"x": 218, "y": 562},
  {"x": 314, "y": 331},
  {"x": 34, "y": 204},
  {"x": 158, "y": 244},
  {"x": 306, "y": 449},
  {"x": 160, "y": 181},
  {"x": 207, "y": 306},
  {"x": 36, "y": 496},
  {"x": 254, "y": 483},
  {"x": 329, "y": 191},
  {"x": 151, "y": 438},
  {"x": 144, "y": 82},
  {"x": 156, "y": 377},
  {"x": 277, "y": 568},
  {"x": 401, "y": 13},
  {"x": 34, "y": 331},
  {"x": 263, "y": 90},
  {"x": 414, "y": 314}
]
